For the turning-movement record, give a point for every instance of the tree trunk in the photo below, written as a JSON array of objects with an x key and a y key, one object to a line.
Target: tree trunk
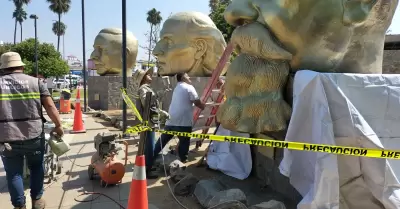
[
  {"x": 20, "y": 25},
  {"x": 58, "y": 32},
  {"x": 15, "y": 32},
  {"x": 151, "y": 39}
]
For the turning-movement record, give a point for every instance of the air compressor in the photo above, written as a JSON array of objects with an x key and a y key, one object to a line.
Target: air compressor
[{"x": 105, "y": 162}]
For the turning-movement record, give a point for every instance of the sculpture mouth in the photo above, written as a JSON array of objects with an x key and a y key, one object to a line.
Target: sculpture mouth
[
  {"x": 161, "y": 63},
  {"x": 98, "y": 63},
  {"x": 161, "y": 67}
]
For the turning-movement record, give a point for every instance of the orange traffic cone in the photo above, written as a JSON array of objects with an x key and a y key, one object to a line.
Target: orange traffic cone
[
  {"x": 78, "y": 122},
  {"x": 138, "y": 192}
]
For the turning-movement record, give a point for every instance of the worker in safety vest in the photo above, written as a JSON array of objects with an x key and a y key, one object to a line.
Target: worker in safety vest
[{"x": 22, "y": 130}]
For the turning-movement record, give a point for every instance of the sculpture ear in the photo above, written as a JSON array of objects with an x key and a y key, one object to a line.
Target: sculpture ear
[
  {"x": 357, "y": 11},
  {"x": 201, "y": 48}
]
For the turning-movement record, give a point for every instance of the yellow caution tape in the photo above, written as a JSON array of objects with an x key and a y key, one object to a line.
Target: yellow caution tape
[
  {"x": 269, "y": 142},
  {"x": 129, "y": 102},
  {"x": 339, "y": 150}
]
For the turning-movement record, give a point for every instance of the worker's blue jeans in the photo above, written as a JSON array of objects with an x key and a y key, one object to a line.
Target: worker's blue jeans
[
  {"x": 149, "y": 149},
  {"x": 184, "y": 142},
  {"x": 13, "y": 161}
]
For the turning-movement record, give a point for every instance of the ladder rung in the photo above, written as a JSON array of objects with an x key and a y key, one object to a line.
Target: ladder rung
[
  {"x": 201, "y": 128},
  {"x": 216, "y": 90},
  {"x": 213, "y": 104},
  {"x": 203, "y": 116}
]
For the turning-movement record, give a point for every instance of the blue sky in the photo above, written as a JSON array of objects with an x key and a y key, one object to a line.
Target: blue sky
[{"x": 101, "y": 14}]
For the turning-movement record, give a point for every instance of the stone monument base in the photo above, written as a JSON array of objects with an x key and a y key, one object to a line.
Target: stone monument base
[
  {"x": 266, "y": 161},
  {"x": 104, "y": 92}
]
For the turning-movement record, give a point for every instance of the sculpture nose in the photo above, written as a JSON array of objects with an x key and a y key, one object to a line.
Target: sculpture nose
[
  {"x": 157, "y": 51},
  {"x": 94, "y": 55},
  {"x": 239, "y": 12}
]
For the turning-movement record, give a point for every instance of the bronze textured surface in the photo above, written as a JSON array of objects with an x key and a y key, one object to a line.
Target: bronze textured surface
[
  {"x": 189, "y": 43},
  {"x": 107, "y": 52},
  {"x": 278, "y": 37}
]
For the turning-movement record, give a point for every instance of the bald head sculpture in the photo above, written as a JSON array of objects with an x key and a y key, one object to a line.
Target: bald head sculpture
[
  {"x": 189, "y": 43},
  {"x": 107, "y": 53}
]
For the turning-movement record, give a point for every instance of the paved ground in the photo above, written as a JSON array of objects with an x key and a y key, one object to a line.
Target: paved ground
[
  {"x": 74, "y": 179},
  {"x": 63, "y": 193}
]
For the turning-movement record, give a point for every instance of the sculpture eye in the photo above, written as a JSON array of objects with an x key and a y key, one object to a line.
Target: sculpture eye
[{"x": 168, "y": 41}]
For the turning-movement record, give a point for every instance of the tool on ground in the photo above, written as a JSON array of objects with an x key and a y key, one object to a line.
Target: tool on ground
[
  {"x": 65, "y": 102},
  {"x": 78, "y": 126},
  {"x": 105, "y": 162},
  {"x": 138, "y": 198},
  {"x": 214, "y": 86}
]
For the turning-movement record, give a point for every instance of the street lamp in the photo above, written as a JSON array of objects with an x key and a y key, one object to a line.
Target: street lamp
[
  {"x": 35, "y": 17},
  {"x": 84, "y": 55},
  {"x": 124, "y": 70}
]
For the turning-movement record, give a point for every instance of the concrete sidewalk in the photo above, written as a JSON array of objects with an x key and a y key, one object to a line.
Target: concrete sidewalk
[{"x": 74, "y": 180}]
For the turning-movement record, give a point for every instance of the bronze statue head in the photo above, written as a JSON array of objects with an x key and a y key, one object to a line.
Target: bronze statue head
[
  {"x": 107, "y": 53},
  {"x": 189, "y": 43}
]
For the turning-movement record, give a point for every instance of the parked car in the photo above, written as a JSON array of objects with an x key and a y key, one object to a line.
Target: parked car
[{"x": 60, "y": 83}]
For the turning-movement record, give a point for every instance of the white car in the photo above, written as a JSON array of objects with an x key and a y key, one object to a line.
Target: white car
[{"x": 60, "y": 83}]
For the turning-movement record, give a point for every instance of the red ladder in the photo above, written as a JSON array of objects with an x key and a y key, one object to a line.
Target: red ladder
[{"x": 214, "y": 85}]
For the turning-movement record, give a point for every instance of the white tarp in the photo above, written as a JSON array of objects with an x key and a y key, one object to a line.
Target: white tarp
[
  {"x": 232, "y": 159},
  {"x": 345, "y": 110}
]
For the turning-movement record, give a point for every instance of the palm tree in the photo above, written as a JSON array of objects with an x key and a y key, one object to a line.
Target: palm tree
[
  {"x": 20, "y": 16},
  {"x": 59, "y": 7},
  {"x": 18, "y": 4},
  {"x": 59, "y": 28},
  {"x": 154, "y": 18},
  {"x": 213, "y": 4},
  {"x": 225, "y": 2}
]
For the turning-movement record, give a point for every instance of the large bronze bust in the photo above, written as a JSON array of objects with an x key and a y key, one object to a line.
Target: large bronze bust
[
  {"x": 191, "y": 43},
  {"x": 107, "y": 53},
  {"x": 345, "y": 36}
]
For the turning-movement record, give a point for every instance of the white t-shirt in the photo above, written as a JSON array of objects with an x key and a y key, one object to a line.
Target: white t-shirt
[
  {"x": 181, "y": 108},
  {"x": 50, "y": 83}
]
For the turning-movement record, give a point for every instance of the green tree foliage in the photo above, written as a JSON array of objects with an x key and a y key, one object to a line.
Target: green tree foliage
[
  {"x": 50, "y": 62},
  {"x": 59, "y": 28},
  {"x": 217, "y": 15},
  {"x": 5, "y": 47},
  {"x": 59, "y": 7},
  {"x": 20, "y": 3}
]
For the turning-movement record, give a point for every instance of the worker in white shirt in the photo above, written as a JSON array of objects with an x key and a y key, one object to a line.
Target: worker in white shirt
[
  {"x": 181, "y": 109},
  {"x": 50, "y": 85}
]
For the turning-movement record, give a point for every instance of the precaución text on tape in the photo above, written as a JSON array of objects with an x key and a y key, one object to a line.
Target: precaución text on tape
[{"x": 339, "y": 150}]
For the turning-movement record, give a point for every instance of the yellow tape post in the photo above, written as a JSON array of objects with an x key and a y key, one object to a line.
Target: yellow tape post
[
  {"x": 130, "y": 104},
  {"x": 338, "y": 150}
]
